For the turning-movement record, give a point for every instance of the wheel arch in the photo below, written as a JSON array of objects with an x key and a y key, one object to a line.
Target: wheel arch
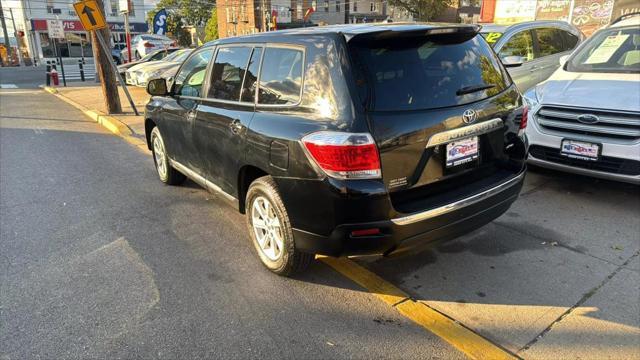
[
  {"x": 149, "y": 124},
  {"x": 246, "y": 175}
]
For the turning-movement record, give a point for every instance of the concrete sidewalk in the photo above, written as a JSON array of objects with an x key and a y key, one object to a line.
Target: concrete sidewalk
[{"x": 90, "y": 100}]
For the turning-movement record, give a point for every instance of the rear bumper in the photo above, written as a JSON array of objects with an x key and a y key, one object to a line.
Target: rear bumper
[{"x": 441, "y": 223}]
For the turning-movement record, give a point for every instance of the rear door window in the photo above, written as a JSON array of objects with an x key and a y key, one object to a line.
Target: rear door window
[
  {"x": 520, "y": 44},
  {"x": 281, "y": 76},
  {"x": 425, "y": 72},
  {"x": 251, "y": 77},
  {"x": 549, "y": 41},
  {"x": 228, "y": 72}
]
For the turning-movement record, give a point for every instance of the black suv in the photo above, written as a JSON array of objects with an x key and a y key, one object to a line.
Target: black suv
[{"x": 344, "y": 140}]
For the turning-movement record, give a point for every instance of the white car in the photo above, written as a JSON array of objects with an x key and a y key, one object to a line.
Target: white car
[
  {"x": 138, "y": 75},
  {"x": 585, "y": 118},
  {"x": 141, "y": 45}
]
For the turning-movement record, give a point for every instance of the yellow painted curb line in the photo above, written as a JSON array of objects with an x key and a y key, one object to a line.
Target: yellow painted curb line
[
  {"x": 109, "y": 122},
  {"x": 459, "y": 336}
]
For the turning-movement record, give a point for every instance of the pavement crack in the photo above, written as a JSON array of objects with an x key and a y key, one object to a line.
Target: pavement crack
[
  {"x": 581, "y": 301},
  {"x": 559, "y": 244}
]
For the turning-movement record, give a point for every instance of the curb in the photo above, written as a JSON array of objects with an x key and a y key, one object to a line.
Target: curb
[{"x": 112, "y": 124}]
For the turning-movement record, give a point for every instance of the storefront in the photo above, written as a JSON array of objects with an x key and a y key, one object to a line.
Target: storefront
[{"x": 77, "y": 42}]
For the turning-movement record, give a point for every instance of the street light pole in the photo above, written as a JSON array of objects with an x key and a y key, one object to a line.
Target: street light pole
[
  {"x": 15, "y": 36},
  {"x": 4, "y": 31}
]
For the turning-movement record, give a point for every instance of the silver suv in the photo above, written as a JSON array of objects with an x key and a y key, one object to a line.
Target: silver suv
[
  {"x": 586, "y": 116},
  {"x": 530, "y": 50}
]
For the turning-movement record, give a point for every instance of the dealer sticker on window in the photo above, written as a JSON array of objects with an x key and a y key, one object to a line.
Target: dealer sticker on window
[
  {"x": 580, "y": 150},
  {"x": 462, "y": 151}
]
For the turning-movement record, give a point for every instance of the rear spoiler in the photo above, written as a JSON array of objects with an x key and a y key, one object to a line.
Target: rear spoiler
[{"x": 393, "y": 31}]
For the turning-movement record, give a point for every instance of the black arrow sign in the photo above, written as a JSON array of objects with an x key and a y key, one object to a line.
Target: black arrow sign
[{"x": 89, "y": 12}]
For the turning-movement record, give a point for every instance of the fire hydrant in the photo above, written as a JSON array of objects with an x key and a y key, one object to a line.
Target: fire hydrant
[{"x": 54, "y": 77}]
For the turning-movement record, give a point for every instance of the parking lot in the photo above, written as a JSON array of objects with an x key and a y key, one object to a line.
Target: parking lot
[{"x": 105, "y": 261}]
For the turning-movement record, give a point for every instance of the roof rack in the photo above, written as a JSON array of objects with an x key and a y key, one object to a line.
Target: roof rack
[{"x": 625, "y": 16}]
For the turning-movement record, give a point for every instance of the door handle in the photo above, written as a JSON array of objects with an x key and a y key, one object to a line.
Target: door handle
[{"x": 235, "y": 126}]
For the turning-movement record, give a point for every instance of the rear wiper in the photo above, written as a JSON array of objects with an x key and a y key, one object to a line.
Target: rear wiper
[{"x": 473, "y": 88}]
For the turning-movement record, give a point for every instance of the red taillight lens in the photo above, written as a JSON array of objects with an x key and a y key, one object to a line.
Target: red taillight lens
[
  {"x": 344, "y": 155},
  {"x": 366, "y": 232},
  {"x": 148, "y": 44},
  {"x": 525, "y": 118}
]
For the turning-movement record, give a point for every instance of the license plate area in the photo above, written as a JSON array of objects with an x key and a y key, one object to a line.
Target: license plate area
[
  {"x": 580, "y": 150},
  {"x": 461, "y": 152}
]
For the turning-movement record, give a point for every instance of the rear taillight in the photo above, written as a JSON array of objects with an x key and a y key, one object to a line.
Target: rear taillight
[
  {"x": 523, "y": 121},
  {"x": 525, "y": 118},
  {"x": 148, "y": 44},
  {"x": 344, "y": 155}
]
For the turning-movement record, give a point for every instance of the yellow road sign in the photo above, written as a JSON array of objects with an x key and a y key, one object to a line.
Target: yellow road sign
[{"x": 90, "y": 15}]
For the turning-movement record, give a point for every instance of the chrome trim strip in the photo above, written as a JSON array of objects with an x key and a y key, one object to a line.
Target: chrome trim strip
[
  {"x": 632, "y": 179},
  {"x": 201, "y": 180},
  {"x": 416, "y": 217},
  {"x": 463, "y": 132}
]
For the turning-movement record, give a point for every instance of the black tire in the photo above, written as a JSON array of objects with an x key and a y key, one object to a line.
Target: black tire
[
  {"x": 291, "y": 260},
  {"x": 166, "y": 172}
]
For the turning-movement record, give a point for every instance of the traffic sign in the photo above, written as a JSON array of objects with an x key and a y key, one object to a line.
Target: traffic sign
[
  {"x": 90, "y": 15},
  {"x": 55, "y": 29}
]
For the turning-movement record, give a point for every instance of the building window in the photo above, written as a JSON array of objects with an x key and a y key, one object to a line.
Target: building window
[
  {"x": 299, "y": 15},
  {"x": 326, "y": 5},
  {"x": 355, "y": 6},
  {"x": 114, "y": 8},
  {"x": 337, "y": 5}
]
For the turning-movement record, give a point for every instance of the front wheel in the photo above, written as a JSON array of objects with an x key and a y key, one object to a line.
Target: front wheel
[
  {"x": 166, "y": 172},
  {"x": 270, "y": 229}
]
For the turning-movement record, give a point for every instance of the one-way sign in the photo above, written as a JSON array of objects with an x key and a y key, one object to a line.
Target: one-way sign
[{"x": 90, "y": 15}]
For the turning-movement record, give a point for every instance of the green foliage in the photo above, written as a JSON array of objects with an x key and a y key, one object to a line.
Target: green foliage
[
  {"x": 182, "y": 13},
  {"x": 423, "y": 10},
  {"x": 211, "y": 30}
]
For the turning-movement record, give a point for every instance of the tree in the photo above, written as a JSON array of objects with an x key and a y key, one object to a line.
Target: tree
[
  {"x": 181, "y": 13},
  {"x": 423, "y": 10},
  {"x": 211, "y": 30}
]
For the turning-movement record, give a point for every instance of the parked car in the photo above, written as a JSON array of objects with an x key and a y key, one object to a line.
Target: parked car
[
  {"x": 115, "y": 52},
  {"x": 154, "y": 56},
  {"x": 342, "y": 140},
  {"x": 586, "y": 116},
  {"x": 139, "y": 74},
  {"x": 141, "y": 45},
  {"x": 531, "y": 50}
]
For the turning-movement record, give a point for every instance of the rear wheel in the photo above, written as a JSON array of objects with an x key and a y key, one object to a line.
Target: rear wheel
[
  {"x": 270, "y": 229},
  {"x": 166, "y": 173}
]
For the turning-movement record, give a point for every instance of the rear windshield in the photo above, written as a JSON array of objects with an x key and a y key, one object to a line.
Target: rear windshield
[{"x": 426, "y": 72}]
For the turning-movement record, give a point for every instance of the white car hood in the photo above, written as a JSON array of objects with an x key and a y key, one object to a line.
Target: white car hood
[
  {"x": 591, "y": 90},
  {"x": 145, "y": 65}
]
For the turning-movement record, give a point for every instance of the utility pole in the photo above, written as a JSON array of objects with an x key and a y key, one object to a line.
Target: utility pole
[
  {"x": 105, "y": 71},
  {"x": 15, "y": 36},
  {"x": 4, "y": 31}
]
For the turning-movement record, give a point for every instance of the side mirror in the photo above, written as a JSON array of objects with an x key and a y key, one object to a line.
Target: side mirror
[
  {"x": 563, "y": 60},
  {"x": 157, "y": 87},
  {"x": 512, "y": 61}
]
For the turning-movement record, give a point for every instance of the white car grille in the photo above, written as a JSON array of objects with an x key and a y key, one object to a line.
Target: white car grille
[{"x": 618, "y": 126}]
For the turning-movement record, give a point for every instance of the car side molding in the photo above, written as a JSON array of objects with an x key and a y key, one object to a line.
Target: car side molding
[{"x": 204, "y": 182}]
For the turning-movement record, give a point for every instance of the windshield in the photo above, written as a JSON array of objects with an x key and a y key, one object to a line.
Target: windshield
[
  {"x": 492, "y": 37},
  {"x": 178, "y": 56},
  {"x": 426, "y": 72},
  {"x": 614, "y": 50}
]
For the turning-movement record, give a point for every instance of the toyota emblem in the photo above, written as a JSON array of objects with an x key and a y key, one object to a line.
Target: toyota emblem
[{"x": 469, "y": 116}]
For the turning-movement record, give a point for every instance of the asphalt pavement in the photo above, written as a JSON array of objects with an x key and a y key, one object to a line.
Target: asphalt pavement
[{"x": 101, "y": 260}]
